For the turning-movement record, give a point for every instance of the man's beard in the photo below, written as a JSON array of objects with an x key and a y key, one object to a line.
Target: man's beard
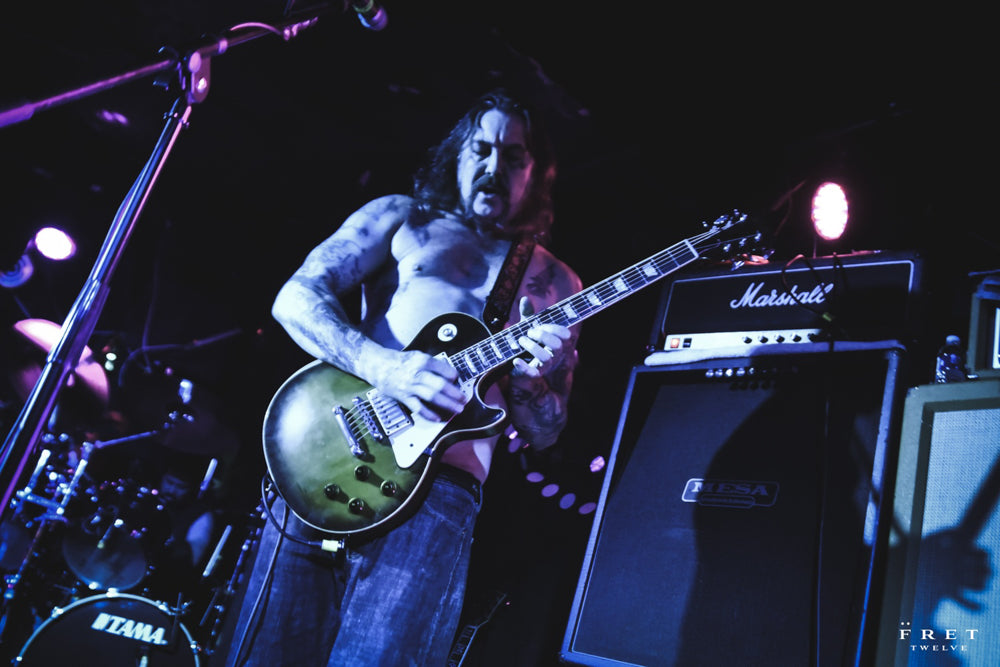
[{"x": 489, "y": 185}]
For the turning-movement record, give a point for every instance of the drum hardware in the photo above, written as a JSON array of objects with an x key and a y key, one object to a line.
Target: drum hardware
[
  {"x": 119, "y": 628},
  {"x": 112, "y": 546},
  {"x": 217, "y": 608},
  {"x": 81, "y": 538},
  {"x": 51, "y": 488},
  {"x": 63, "y": 491}
]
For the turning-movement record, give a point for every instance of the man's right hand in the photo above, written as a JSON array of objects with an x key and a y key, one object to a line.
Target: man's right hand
[{"x": 428, "y": 386}]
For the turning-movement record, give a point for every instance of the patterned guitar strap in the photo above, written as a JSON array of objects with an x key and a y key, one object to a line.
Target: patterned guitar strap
[{"x": 497, "y": 308}]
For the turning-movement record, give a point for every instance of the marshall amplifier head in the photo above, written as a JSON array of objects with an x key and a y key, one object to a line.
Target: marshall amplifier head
[{"x": 870, "y": 296}]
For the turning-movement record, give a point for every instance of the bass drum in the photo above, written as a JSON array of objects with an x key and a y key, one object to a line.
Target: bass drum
[{"x": 116, "y": 629}]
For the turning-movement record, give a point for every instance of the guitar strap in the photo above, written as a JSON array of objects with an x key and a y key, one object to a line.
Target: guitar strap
[{"x": 497, "y": 308}]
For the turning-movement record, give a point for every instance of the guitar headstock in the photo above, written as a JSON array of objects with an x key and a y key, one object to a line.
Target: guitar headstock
[
  {"x": 726, "y": 221},
  {"x": 728, "y": 238}
]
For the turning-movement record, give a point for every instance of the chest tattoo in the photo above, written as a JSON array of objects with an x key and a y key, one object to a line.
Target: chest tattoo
[{"x": 540, "y": 283}]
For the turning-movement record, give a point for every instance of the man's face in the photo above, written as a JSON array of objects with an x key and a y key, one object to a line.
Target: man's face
[{"x": 495, "y": 169}]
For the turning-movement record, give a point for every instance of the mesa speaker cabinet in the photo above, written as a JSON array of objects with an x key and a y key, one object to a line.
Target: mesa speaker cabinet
[
  {"x": 941, "y": 605},
  {"x": 739, "y": 519}
]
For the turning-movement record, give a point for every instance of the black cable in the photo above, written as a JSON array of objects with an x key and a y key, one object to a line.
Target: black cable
[
  {"x": 268, "y": 499},
  {"x": 828, "y": 318},
  {"x": 269, "y": 573},
  {"x": 822, "y": 472}
]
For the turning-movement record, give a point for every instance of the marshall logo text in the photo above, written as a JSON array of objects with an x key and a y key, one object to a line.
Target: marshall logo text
[
  {"x": 730, "y": 493},
  {"x": 752, "y": 298}
]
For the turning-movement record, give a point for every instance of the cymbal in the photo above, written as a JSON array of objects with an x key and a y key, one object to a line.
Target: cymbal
[
  {"x": 186, "y": 415},
  {"x": 44, "y": 335}
]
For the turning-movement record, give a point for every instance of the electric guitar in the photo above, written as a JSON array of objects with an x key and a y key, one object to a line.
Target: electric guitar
[{"x": 349, "y": 460}]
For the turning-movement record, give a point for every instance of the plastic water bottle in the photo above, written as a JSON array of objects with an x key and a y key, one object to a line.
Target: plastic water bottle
[{"x": 950, "y": 366}]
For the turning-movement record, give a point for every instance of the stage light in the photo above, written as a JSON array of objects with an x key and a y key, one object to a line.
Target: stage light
[
  {"x": 567, "y": 501},
  {"x": 829, "y": 211},
  {"x": 54, "y": 244},
  {"x": 48, "y": 242},
  {"x": 18, "y": 274}
]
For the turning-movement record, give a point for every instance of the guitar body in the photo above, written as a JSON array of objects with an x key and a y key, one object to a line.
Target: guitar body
[
  {"x": 345, "y": 491},
  {"x": 350, "y": 461}
]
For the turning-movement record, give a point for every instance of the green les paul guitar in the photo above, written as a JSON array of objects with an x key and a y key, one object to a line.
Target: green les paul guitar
[{"x": 349, "y": 460}]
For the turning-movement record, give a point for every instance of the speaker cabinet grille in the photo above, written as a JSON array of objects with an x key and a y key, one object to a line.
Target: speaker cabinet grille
[
  {"x": 942, "y": 585},
  {"x": 739, "y": 515}
]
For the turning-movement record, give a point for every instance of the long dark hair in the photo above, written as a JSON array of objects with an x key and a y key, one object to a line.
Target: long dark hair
[{"x": 435, "y": 184}]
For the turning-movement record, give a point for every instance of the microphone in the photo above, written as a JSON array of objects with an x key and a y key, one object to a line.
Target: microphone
[{"x": 370, "y": 13}]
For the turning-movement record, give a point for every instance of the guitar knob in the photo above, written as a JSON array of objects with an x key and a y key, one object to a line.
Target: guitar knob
[
  {"x": 362, "y": 472},
  {"x": 389, "y": 488},
  {"x": 331, "y": 491},
  {"x": 357, "y": 506}
]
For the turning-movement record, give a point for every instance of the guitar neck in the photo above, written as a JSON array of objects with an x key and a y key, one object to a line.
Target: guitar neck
[{"x": 502, "y": 347}]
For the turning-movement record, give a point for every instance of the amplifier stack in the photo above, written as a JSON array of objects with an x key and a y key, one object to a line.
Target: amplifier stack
[{"x": 870, "y": 296}]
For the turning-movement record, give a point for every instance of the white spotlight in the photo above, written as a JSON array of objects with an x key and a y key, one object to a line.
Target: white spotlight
[
  {"x": 829, "y": 211},
  {"x": 54, "y": 243}
]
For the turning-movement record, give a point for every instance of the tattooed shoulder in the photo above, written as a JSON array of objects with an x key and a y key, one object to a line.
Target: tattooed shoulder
[{"x": 337, "y": 261}]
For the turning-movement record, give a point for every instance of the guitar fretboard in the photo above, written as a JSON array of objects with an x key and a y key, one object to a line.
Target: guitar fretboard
[{"x": 498, "y": 349}]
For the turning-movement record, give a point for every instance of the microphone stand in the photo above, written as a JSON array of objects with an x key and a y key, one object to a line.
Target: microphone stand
[{"x": 193, "y": 71}]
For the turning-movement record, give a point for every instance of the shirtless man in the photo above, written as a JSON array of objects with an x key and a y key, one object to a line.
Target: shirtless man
[{"x": 396, "y": 600}]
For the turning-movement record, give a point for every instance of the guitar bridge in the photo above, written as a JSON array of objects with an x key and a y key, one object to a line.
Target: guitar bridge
[
  {"x": 391, "y": 416},
  {"x": 357, "y": 449}
]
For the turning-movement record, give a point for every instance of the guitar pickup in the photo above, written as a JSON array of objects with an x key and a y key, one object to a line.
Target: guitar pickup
[{"x": 391, "y": 416}]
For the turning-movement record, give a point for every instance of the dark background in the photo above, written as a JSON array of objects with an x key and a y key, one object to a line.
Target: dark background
[{"x": 662, "y": 118}]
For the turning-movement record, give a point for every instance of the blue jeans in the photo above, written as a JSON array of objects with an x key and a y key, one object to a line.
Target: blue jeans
[{"x": 393, "y": 601}]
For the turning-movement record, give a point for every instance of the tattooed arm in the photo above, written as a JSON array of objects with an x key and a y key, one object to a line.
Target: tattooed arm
[
  {"x": 310, "y": 309},
  {"x": 538, "y": 389},
  {"x": 538, "y": 403}
]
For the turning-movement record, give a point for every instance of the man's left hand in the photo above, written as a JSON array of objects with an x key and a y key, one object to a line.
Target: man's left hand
[{"x": 545, "y": 342}]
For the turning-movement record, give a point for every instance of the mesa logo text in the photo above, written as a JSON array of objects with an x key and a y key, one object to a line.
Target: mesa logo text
[{"x": 730, "y": 493}]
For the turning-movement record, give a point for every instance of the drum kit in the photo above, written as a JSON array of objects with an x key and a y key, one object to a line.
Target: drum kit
[{"x": 82, "y": 551}]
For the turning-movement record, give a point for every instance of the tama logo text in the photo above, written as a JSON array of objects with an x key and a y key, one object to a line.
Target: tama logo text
[
  {"x": 126, "y": 627},
  {"x": 730, "y": 493},
  {"x": 753, "y": 298}
]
